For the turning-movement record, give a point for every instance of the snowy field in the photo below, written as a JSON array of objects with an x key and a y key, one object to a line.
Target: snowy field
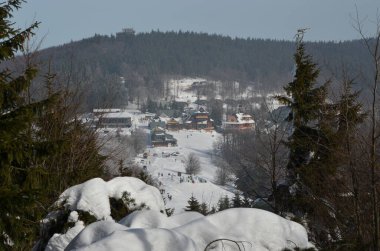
[{"x": 165, "y": 164}]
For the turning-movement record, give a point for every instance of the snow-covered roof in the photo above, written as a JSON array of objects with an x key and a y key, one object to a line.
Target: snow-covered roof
[
  {"x": 116, "y": 115},
  {"x": 133, "y": 111},
  {"x": 102, "y": 110},
  {"x": 244, "y": 118}
]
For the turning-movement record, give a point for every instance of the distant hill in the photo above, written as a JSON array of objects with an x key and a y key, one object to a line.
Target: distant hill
[{"x": 144, "y": 60}]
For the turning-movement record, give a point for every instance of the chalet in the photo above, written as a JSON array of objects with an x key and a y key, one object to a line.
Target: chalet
[
  {"x": 238, "y": 121},
  {"x": 199, "y": 120},
  {"x": 172, "y": 125},
  {"x": 160, "y": 138}
]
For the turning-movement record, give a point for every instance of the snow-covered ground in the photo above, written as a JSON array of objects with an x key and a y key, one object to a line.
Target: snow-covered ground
[
  {"x": 166, "y": 164},
  {"x": 179, "y": 88}
]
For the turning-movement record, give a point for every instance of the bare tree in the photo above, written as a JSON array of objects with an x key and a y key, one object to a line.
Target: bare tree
[
  {"x": 273, "y": 153},
  {"x": 192, "y": 164},
  {"x": 372, "y": 43},
  {"x": 223, "y": 172}
]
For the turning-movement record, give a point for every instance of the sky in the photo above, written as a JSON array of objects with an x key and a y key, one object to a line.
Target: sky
[{"x": 63, "y": 21}]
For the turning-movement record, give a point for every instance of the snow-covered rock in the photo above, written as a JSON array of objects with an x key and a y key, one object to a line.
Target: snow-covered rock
[
  {"x": 93, "y": 195},
  {"x": 253, "y": 229}
]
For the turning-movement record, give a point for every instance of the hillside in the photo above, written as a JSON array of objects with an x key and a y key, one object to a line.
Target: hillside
[{"x": 146, "y": 60}]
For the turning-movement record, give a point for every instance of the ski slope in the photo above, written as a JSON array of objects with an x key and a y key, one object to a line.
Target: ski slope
[{"x": 165, "y": 167}]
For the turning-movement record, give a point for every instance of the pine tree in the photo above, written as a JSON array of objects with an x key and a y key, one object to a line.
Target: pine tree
[
  {"x": 223, "y": 203},
  {"x": 312, "y": 160},
  {"x": 246, "y": 202},
  {"x": 204, "y": 208},
  {"x": 212, "y": 211},
  {"x": 20, "y": 154},
  {"x": 236, "y": 200},
  {"x": 193, "y": 204},
  {"x": 306, "y": 102}
]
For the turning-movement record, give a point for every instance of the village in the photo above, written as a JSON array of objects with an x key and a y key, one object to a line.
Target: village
[{"x": 172, "y": 134}]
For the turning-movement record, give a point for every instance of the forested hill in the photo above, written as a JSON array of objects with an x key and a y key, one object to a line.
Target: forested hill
[{"x": 146, "y": 57}]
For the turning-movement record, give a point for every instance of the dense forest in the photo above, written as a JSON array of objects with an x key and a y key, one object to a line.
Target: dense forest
[{"x": 146, "y": 60}]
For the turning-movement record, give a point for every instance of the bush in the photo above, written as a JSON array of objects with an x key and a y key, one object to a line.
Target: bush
[{"x": 192, "y": 164}]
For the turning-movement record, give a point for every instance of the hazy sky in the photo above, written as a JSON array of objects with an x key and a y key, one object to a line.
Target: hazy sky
[{"x": 66, "y": 20}]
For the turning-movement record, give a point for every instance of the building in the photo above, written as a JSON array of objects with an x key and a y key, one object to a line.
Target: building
[
  {"x": 112, "y": 118},
  {"x": 173, "y": 125},
  {"x": 115, "y": 120},
  {"x": 99, "y": 112},
  {"x": 167, "y": 114},
  {"x": 160, "y": 138},
  {"x": 156, "y": 122},
  {"x": 149, "y": 116},
  {"x": 126, "y": 32},
  {"x": 199, "y": 120},
  {"x": 239, "y": 121}
]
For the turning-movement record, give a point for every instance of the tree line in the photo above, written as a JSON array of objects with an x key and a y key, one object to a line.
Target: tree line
[{"x": 146, "y": 60}]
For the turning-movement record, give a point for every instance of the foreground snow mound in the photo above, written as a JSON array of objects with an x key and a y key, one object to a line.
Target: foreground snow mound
[
  {"x": 253, "y": 229},
  {"x": 93, "y": 195}
]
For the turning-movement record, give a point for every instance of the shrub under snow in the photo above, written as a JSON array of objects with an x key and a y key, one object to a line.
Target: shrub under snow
[{"x": 92, "y": 200}]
